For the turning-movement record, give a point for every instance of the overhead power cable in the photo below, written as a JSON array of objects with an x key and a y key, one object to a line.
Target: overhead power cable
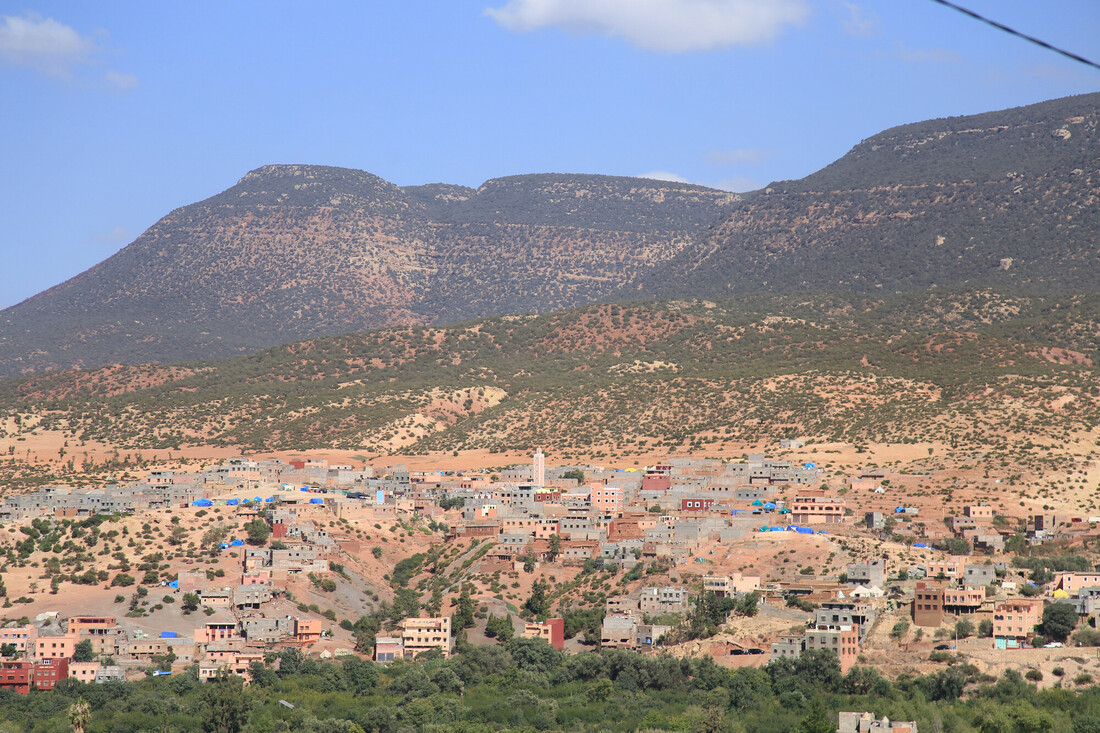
[{"x": 1013, "y": 31}]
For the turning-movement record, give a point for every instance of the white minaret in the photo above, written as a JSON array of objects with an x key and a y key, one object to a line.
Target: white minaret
[{"x": 538, "y": 476}]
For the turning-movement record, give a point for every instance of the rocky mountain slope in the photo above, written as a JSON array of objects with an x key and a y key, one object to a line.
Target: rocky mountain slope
[
  {"x": 1005, "y": 199},
  {"x": 968, "y": 368},
  {"x": 297, "y": 251},
  {"x": 1008, "y": 198}
]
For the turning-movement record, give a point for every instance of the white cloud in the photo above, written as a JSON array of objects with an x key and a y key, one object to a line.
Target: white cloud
[
  {"x": 664, "y": 176},
  {"x": 740, "y": 156},
  {"x": 48, "y": 47},
  {"x": 925, "y": 55},
  {"x": 737, "y": 184},
  {"x": 670, "y": 26},
  {"x": 121, "y": 81},
  {"x": 114, "y": 238},
  {"x": 856, "y": 23}
]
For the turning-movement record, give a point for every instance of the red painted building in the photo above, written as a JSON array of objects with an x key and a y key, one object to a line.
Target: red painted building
[
  {"x": 552, "y": 630},
  {"x": 48, "y": 672},
  {"x": 696, "y": 505},
  {"x": 17, "y": 676},
  {"x": 43, "y": 674},
  {"x": 656, "y": 482}
]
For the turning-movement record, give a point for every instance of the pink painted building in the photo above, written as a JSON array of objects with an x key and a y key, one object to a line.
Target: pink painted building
[
  {"x": 23, "y": 638},
  {"x": 607, "y": 499}
]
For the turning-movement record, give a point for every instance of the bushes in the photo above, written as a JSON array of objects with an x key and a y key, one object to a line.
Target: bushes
[
  {"x": 123, "y": 580},
  {"x": 328, "y": 585},
  {"x": 1086, "y": 636}
]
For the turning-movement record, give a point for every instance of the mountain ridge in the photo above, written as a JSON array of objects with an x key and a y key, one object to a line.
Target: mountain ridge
[{"x": 1006, "y": 199}]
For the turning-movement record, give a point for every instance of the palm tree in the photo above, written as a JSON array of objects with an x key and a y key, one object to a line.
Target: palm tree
[{"x": 80, "y": 714}]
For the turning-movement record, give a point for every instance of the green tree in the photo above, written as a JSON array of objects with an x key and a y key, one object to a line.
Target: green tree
[
  {"x": 191, "y": 601},
  {"x": 555, "y": 548},
  {"x": 538, "y": 604},
  {"x": 362, "y": 677},
  {"x": 258, "y": 532},
  {"x": 262, "y": 675},
  {"x": 964, "y": 628},
  {"x": 534, "y": 654},
  {"x": 985, "y": 628},
  {"x": 79, "y": 714},
  {"x": 83, "y": 651},
  {"x": 178, "y": 535},
  {"x": 464, "y": 611},
  {"x": 816, "y": 720},
  {"x": 225, "y": 704},
  {"x": 499, "y": 628},
  {"x": 955, "y": 546},
  {"x": 746, "y": 605},
  {"x": 1059, "y": 619}
]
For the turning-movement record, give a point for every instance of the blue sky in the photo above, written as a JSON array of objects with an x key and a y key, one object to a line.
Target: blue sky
[{"x": 114, "y": 113}]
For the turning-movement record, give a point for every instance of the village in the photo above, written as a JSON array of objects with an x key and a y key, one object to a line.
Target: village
[{"x": 793, "y": 558}]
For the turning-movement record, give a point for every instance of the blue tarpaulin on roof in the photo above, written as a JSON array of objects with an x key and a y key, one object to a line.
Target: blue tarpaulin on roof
[
  {"x": 770, "y": 505},
  {"x": 920, "y": 544},
  {"x": 758, "y": 503},
  {"x": 270, "y": 499},
  {"x": 316, "y": 501},
  {"x": 810, "y": 465},
  {"x": 899, "y": 510},
  {"x": 174, "y": 584},
  {"x": 202, "y": 502},
  {"x": 232, "y": 502},
  {"x": 236, "y": 543},
  {"x": 257, "y": 500},
  {"x": 223, "y": 546},
  {"x": 169, "y": 635},
  {"x": 305, "y": 488}
]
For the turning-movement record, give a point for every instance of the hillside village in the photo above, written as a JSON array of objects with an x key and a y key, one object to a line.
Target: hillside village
[{"x": 745, "y": 562}]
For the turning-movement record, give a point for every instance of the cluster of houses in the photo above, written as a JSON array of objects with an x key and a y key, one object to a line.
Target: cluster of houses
[
  {"x": 165, "y": 489},
  {"x": 40, "y": 654},
  {"x": 238, "y": 624},
  {"x": 433, "y": 634},
  {"x": 577, "y": 515},
  {"x": 620, "y": 518}
]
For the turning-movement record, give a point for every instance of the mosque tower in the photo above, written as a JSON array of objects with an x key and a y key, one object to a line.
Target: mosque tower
[{"x": 538, "y": 476}]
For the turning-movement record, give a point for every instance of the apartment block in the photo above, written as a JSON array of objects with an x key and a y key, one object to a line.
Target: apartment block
[{"x": 421, "y": 634}]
